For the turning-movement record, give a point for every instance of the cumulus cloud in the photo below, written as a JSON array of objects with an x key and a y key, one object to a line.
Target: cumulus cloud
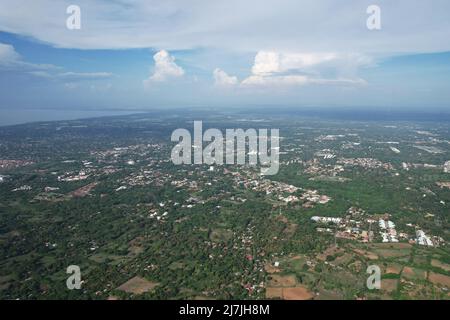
[
  {"x": 273, "y": 68},
  {"x": 273, "y": 62},
  {"x": 222, "y": 79},
  {"x": 165, "y": 68}
]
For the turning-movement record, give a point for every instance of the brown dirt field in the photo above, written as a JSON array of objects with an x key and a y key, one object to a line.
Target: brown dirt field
[
  {"x": 392, "y": 253},
  {"x": 343, "y": 259},
  {"x": 439, "y": 264},
  {"x": 83, "y": 191},
  {"x": 274, "y": 293},
  {"x": 329, "y": 252},
  {"x": 297, "y": 293},
  {"x": 270, "y": 268},
  {"x": 440, "y": 279},
  {"x": 411, "y": 274},
  {"x": 328, "y": 295},
  {"x": 408, "y": 271},
  {"x": 389, "y": 285},
  {"x": 392, "y": 246},
  {"x": 394, "y": 268},
  {"x": 282, "y": 281},
  {"x": 369, "y": 255},
  {"x": 203, "y": 298},
  {"x": 137, "y": 285}
]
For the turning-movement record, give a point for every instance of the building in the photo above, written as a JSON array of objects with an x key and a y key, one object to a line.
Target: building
[
  {"x": 326, "y": 219},
  {"x": 422, "y": 239},
  {"x": 447, "y": 167}
]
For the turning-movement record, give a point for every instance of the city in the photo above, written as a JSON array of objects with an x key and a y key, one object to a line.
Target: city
[{"x": 139, "y": 225}]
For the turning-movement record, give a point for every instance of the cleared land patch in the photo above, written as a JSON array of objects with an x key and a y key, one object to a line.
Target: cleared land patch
[
  {"x": 137, "y": 285},
  {"x": 414, "y": 273},
  {"x": 297, "y": 293},
  {"x": 282, "y": 281},
  {"x": 441, "y": 265},
  {"x": 274, "y": 293},
  {"x": 393, "y": 268},
  {"x": 389, "y": 285},
  {"x": 439, "y": 279}
]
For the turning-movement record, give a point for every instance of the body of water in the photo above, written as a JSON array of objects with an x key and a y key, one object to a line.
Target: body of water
[{"x": 19, "y": 116}]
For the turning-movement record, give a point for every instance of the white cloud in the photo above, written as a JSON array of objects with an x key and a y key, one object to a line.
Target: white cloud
[
  {"x": 73, "y": 76},
  {"x": 273, "y": 68},
  {"x": 41, "y": 74},
  {"x": 10, "y": 60},
  {"x": 222, "y": 79},
  {"x": 12, "y": 63},
  {"x": 408, "y": 26},
  {"x": 165, "y": 68},
  {"x": 295, "y": 80},
  {"x": 8, "y": 54},
  {"x": 267, "y": 62},
  {"x": 258, "y": 80}
]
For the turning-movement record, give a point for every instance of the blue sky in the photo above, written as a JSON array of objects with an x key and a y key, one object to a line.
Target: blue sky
[{"x": 162, "y": 54}]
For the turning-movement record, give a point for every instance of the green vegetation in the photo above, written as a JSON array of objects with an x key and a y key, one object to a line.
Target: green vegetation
[{"x": 102, "y": 194}]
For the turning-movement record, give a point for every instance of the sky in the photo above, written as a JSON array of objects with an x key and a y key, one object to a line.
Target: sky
[{"x": 144, "y": 54}]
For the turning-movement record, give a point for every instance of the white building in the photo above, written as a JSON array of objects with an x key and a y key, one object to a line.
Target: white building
[
  {"x": 422, "y": 239},
  {"x": 326, "y": 219},
  {"x": 391, "y": 225},
  {"x": 447, "y": 167}
]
